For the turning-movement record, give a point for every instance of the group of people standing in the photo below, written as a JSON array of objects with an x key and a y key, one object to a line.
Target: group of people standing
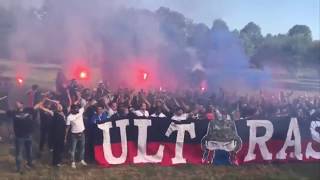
[{"x": 68, "y": 116}]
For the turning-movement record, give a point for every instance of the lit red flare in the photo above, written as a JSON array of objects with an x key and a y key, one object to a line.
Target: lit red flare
[
  {"x": 19, "y": 80},
  {"x": 145, "y": 76},
  {"x": 83, "y": 75}
]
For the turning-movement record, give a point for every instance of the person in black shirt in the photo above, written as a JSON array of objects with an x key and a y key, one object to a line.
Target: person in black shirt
[
  {"x": 34, "y": 95},
  {"x": 45, "y": 128},
  {"x": 101, "y": 91},
  {"x": 58, "y": 126},
  {"x": 23, "y": 126},
  {"x": 90, "y": 130}
]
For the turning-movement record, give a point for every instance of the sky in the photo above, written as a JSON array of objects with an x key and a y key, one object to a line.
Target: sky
[{"x": 273, "y": 16}]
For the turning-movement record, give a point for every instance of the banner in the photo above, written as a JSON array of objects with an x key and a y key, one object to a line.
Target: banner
[{"x": 167, "y": 142}]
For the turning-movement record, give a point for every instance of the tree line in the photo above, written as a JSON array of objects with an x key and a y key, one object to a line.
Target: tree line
[{"x": 294, "y": 49}]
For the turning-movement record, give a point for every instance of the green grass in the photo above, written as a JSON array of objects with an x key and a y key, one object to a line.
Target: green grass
[{"x": 43, "y": 170}]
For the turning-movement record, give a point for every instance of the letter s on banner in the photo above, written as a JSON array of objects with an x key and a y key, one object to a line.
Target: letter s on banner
[
  {"x": 261, "y": 141},
  {"x": 181, "y": 128},
  {"x": 310, "y": 152},
  {"x": 105, "y": 127}
]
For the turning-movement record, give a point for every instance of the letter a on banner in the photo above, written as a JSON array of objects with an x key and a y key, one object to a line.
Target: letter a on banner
[
  {"x": 142, "y": 156},
  {"x": 260, "y": 141},
  {"x": 181, "y": 128},
  {"x": 122, "y": 124},
  {"x": 296, "y": 142}
]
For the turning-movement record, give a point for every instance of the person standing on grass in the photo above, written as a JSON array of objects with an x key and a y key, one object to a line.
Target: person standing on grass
[
  {"x": 23, "y": 126},
  {"x": 58, "y": 126},
  {"x": 45, "y": 128},
  {"x": 76, "y": 124}
]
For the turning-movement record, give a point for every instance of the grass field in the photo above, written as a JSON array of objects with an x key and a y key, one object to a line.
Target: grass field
[{"x": 43, "y": 170}]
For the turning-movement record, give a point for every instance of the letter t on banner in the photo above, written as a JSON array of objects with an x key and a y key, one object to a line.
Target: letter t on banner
[
  {"x": 181, "y": 128},
  {"x": 261, "y": 141}
]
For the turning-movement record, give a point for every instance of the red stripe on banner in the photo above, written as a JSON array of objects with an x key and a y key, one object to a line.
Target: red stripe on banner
[{"x": 191, "y": 152}]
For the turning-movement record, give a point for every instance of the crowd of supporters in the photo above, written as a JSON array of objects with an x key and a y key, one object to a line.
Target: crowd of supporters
[{"x": 68, "y": 115}]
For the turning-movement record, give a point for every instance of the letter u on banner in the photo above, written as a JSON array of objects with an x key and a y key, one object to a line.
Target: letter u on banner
[{"x": 107, "y": 150}]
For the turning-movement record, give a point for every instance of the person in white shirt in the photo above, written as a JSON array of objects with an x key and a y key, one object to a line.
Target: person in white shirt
[
  {"x": 142, "y": 112},
  {"x": 112, "y": 108},
  {"x": 158, "y": 114},
  {"x": 76, "y": 124},
  {"x": 179, "y": 115},
  {"x": 160, "y": 109}
]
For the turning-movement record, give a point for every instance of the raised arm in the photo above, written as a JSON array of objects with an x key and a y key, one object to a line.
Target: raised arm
[
  {"x": 165, "y": 107},
  {"x": 2, "y": 98},
  {"x": 146, "y": 101},
  {"x": 46, "y": 110},
  {"x": 39, "y": 104}
]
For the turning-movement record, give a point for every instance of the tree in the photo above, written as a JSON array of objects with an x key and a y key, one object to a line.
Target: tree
[
  {"x": 252, "y": 30},
  {"x": 251, "y": 38},
  {"x": 173, "y": 25},
  {"x": 301, "y": 30},
  {"x": 220, "y": 25},
  {"x": 313, "y": 54}
]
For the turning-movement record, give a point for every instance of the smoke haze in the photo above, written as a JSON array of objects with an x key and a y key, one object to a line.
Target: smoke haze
[{"x": 125, "y": 42}]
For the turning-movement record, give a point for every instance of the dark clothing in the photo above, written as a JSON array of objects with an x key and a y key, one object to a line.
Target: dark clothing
[
  {"x": 88, "y": 114},
  {"x": 26, "y": 144},
  {"x": 89, "y": 133},
  {"x": 34, "y": 97},
  {"x": 58, "y": 127},
  {"x": 45, "y": 130},
  {"x": 23, "y": 122},
  {"x": 23, "y": 126},
  {"x": 98, "y": 119},
  {"x": 100, "y": 93},
  {"x": 64, "y": 99}
]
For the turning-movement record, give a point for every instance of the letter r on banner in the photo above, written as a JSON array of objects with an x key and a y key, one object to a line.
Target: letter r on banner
[{"x": 260, "y": 141}]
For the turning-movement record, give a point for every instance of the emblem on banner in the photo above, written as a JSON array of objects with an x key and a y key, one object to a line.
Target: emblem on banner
[{"x": 221, "y": 136}]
